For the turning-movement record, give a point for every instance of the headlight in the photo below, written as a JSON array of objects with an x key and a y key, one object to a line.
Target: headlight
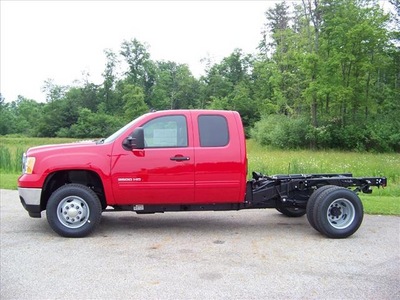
[{"x": 28, "y": 162}]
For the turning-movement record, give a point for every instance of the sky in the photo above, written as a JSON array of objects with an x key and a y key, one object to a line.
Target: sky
[{"x": 61, "y": 40}]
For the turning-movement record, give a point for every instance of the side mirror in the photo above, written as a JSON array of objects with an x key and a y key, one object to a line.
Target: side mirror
[{"x": 135, "y": 140}]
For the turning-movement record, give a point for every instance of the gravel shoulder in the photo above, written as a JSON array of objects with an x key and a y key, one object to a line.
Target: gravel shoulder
[{"x": 250, "y": 254}]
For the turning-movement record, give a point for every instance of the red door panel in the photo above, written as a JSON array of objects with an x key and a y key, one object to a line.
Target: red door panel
[
  {"x": 150, "y": 177},
  {"x": 162, "y": 173},
  {"x": 220, "y": 161}
]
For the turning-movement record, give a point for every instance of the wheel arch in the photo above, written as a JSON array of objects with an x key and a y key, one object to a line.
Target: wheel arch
[{"x": 85, "y": 177}]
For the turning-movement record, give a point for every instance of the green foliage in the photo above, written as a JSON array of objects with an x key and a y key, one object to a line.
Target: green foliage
[
  {"x": 380, "y": 205},
  {"x": 10, "y": 161},
  {"x": 8, "y": 181},
  {"x": 228, "y": 86},
  {"x": 7, "y": 118},
  {"x": 5, "y": 159},
  {"x": 134, "y": 104},
  {"x": 326, "y": 76},
  {"x": 12, "y": 148},
  {"x": 56, "y": 116},
  {"x": 381, "y": 135},
  {"x": 19, "y": 116},
  {"x": 91, "y": 125},
  {"x": 175, "y": 87},
  {"x": 281, "y": 132}
]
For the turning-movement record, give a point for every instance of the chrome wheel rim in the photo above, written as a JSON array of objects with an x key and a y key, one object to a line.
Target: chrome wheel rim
[
  {"x": 73, "y": 212},
  {"x": 341, "y": 213}
]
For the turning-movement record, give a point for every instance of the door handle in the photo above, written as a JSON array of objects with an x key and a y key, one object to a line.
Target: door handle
[{"x": 180, "y": 158}]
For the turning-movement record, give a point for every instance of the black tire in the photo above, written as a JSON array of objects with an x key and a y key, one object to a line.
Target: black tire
[
  {"x": 338, "y": 212},
  {"x": 73, "y": 210},
  {"x": 311, "y": 203},
  {"x": 292, "y": 212}
]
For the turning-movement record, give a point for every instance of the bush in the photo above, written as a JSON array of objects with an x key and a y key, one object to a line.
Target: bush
[
  {"x": 281, "y": 131},
  {"x": 379, "y": 135}
]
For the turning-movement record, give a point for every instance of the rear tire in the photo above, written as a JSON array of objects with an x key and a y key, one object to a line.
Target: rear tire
[
  {"x": 338, "y": 212},
  {"x": 311, "y": 203},
  {"x": 73, "y": 210}
]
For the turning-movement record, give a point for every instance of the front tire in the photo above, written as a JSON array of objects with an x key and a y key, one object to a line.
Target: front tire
[
  {"x": 338, "y": 213},
  {"x": 73, "y": 210}
]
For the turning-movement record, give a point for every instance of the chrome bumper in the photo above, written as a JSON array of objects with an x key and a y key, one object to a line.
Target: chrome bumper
[{"x": 30, "y": 199}]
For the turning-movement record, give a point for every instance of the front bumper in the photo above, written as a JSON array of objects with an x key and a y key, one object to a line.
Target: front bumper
[{"x": 30, "y": 199}]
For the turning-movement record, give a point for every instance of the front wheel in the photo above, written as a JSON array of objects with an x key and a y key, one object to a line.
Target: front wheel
[
  {"x": 73, "y": 210},
  {"x": 338, "y": 212}
]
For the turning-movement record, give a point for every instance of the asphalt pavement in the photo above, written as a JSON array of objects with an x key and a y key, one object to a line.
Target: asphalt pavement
[{"x": 250, "y": 254}]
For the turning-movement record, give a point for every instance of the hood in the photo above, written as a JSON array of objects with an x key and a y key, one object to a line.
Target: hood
[{"x": 60, "y": 147}]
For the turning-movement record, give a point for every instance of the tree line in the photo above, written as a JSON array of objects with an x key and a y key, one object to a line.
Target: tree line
[{"x": 326, "y": 75}]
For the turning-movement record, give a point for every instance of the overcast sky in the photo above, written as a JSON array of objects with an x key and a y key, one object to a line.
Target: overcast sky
[{"x": 60, "y": 40}]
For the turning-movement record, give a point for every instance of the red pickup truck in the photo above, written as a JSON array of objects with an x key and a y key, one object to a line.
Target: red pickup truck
[{"x": 177, "y": 160}]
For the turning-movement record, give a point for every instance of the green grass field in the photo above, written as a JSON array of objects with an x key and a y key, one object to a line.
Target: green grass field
[
  {"x": 381, "y": 201},
  {"x": 265, "y": 160}
]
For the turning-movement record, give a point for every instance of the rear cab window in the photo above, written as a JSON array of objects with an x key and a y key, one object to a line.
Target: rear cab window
[{"x": 213, "y": 131}]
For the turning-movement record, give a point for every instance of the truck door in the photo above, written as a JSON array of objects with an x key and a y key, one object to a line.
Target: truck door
[
  {"x": 163, "y": 172},
  {"x": 220, "y": 170}
]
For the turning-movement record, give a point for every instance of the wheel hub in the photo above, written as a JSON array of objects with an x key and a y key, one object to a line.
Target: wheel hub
[
  {"x": 341, "y": 213},
  {"x": 73, "y": 212},
  {"x": 336, "y": 212}
]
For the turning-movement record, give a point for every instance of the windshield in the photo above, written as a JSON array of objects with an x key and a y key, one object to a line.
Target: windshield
[{"x": 116, "y": 134}]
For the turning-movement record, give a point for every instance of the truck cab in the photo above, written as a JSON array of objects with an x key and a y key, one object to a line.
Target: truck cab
[{"x": 184, "y": 157}]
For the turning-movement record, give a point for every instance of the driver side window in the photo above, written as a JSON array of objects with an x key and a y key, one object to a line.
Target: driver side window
[{"x": 166, "y": 132}]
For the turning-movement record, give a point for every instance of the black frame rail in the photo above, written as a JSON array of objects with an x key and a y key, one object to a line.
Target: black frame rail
[{"x": 293, "y": 190}]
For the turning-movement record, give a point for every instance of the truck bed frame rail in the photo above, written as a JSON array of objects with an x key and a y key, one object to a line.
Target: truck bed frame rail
[{"x": 295, "y": 189}]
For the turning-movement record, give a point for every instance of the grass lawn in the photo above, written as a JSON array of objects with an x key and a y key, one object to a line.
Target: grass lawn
[
  {"x": 272, "y": 161},
  {"x": 380, "y": 205},
  {"x": 8, "y": 181}
]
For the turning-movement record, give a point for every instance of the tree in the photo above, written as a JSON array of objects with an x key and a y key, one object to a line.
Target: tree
[
  {"x": 174, "y": 87},
  {"x": 58, "y": 115},
  {"x": 133, "y": 102},
  {"x": 336, "y": 58},
  {"x": 110, "y": 78},
  {"x": 222, "y": 78},
  {"x": 228, "y": 85},
  {"x": 7, "y": 120},
  {"x": 278, "y": 74},
  {"x": 278, "y": 20},
  {"x": 92, "y": 125},
  {"x": 27, "y": 112},
  {"x": 327, "y": 75},
  {"x": 354, "y": 50},
  {"x": 313, "y": 16},
  {"x": 141, "y": 70},
  {"x": 53, "y": 91}
]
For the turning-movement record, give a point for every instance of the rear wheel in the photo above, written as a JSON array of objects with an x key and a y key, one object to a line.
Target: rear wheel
[
  {"x": 338, "y": 212},
  {"x": 73, "y": 210},
  {"x": 311, "y": 203}
]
